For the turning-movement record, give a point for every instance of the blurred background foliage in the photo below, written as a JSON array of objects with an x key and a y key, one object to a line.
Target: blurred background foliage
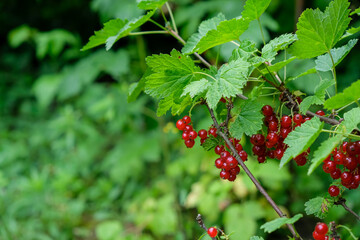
[{"x": 77, "y": 161}]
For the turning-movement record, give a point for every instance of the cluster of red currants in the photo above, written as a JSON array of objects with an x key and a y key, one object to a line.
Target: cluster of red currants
[
  {"x": 189, "y": 134},
  {"x": 273, "y": 145},
  {"x": 321, "y": 229},
  {"x": 344, "y": 163}
]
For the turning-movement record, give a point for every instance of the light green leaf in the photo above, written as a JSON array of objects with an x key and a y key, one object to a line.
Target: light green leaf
[
  {"x": 128, "y": 27},
  {"x": 318, "y": 98},
  {"x": 228, "y": 82},
  {"x": 197, "y": 87},
  {"x": 323, "y": 152},
  {"x": 246, "y": 49},
  {"x": 277, "y": 66},
  {"x": 204, "y": 28},
  {"x": 324, "y": 62},
  {"x": 254, "y": 8},
  {"x": 318, "y": 206},
  {"x": 226, "y": 31},
  {"x": 318, "y": 32},
  {"x": 310, "y": 71},
  {"x": 349, "y": 95},
  {"x": 356, "y": 11},
  {"x": 269, "y": 227},
  {"x": 249, "y": 121},
  {"x": 301, "y": 138},
  {"x": 269, "y": 51},
  {"x": 351, "y": 121},
  {"x": 150, "y": 4}
]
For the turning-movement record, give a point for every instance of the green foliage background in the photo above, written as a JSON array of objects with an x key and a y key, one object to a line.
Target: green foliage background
[{"x": 78, "y": 161}]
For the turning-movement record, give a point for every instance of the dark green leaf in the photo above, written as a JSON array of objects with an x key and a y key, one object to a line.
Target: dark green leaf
[
  {"x": 349, "y": 95},
  {"x": 269, "y": 227},
  {"x": 254, "y": 8}
]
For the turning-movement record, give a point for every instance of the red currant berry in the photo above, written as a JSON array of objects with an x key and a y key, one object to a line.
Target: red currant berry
[
  {"x": 231, "y": 161},
  {"x": 189, "y": 143},
  {"x": 320, "y": 113},
  {"x": 224, "y": 154},
  {"x": 354, "y": 185},
  {"x": 339, "y": 158},
  {"x": 187, "y": 119},
  {"x": 226, "y": 166},
  {"x": 333, "y": 191},
  {"x": 270, "y": 154},
  {"x": 269, "y": 119},
  {"x": 202, "y": 133},
  {"x": 259, "y": 150},
  {"x": 357, "y": 147},
  {"x": 286, "y": 121},
  {"x": 212, "y": 232},
  {"x": 301, "y": 161},
  {"x": 223, "y": 100},
  {"x": 344, "y": 146},
  {"x": 336, "y": 174},
  {"x": 351, "y": 149},
  {"x": 284, "y": 132},
  {"x": 272, "y": 138},
  {"x": 267, "y": 110},
  {"x": 235, "y": 170},
  {"x": 218, "y": 163},
  {"x": 261, "y": 159},
  {"x": 350, "y": 163},
  {"x": 212, "y": 131},
  {"x": 307, "y": 119},
  {"x": 298, "y": 119},
  {"x": 192, "y": 134},
  {"x": 185, "y": 135},
  {"x": 180, "y": 124},
  {"x": 346, "y": 178},
  {"x": 318, "y": 236},
  {"x": 279, "y": 153},
  {"x": 321, "y": 228},
  {"x": 202, "y": 140},
  {"x": 219, "y": 149},
  {"x": 243, "y": 155},
  {"x": 188, "y": 128},
  {"x": 232, "y": 177},
  {"x": 273, "y": 126},
  {"x": 357, "y": 178},
  {"x": 224, "y": 174},
  {"x": 329, "y": 166},
  {"x": 238, "y": 147},
  {"x": 257, "y": 139}
]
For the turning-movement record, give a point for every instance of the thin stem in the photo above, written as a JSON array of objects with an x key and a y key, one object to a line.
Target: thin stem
[
  {"x": 342, "y": 108},
  {"x": 261, "y": 30},
  {"x": 341, "y": 202},
  {"x": 348, "y": 135},
  {"x": 148, "y": 32},
  {"x": 163, "y": 15},
  {"x": 349, "y": 230},
  {"x": 333, "y": 70},
  {"x": 276, "y": 77},
  {"x": 285, "y": 67},
  {"x": 157, "y": 24},
  {"x": 270, "y": 94},
  {"x": 250, "y": 175},
  {"x": 202, "y": 224},
  {"x": 205, "y": 75},
  {"x": 172, "y": 17},
  {"x": 235, "y": 43}
]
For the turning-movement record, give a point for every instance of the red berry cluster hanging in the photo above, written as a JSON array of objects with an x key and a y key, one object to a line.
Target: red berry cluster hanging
[
  {"x": 189, "y": 134},
  {"x": 273, "y": 145},
  {"x": 321, "y": 229},
  {"x": 344, "y": 163}
]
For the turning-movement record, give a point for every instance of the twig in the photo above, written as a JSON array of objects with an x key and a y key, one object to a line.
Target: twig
[
  {"x": 202, "y": 224},
  {"x": 334, "y": 234},
  {"x": 250, "y": 175},
  {"x": 341, "y": 202},
  {"x": 229, "y": 106}
]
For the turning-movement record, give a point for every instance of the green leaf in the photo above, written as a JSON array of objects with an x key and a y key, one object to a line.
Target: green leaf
[
  {"x": 356, "y": 11},
  {"x": 249, "y": 121},
  {"x": 318, "y": 98},
  {"x": 310, "y": 71},
  {"x": 150, "y": 4},
  {"x": 136, "y": 88},
  {"x": 204, "y": 28},
  {"x": 323, "y": 152},
  {"x": 256, "y": 238},
  {"x": 269, "y": 227},
  {"x": 269, "y": 51},
  {"x": 351, "y": 121},
  {"x": 114, "y": 30},
  {"x": 246, "y": 50},
  {"x": 228, "y": 81},
  {"x": 226, "y": 31},
  {"x": 318, "y": 206},
  {"x": 349, "y": 95},
  {"x": 196, "y": 88},
  {"x": 178, "y": 105},
  {"x": 277, "y": 66},
  {"x": 301, "y": 139},
  {"x": 318, "y": 32},
  {"x": 211, "y": 142},
  {"x": 324, "y": 62},
  {"x": 253, "y": 9}
]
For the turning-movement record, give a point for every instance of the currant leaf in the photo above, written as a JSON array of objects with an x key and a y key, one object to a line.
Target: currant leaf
[
  {"x": 136, "y": 88},
  {"x": 301, "y": 138},
  {"x": 249, "y": 120},
  {"x": 318, "y": 31},
  {"x": 150, "y": 4},
  {"x": 323, "y": 152},
  {"x": 318, "y": 206},
  {"x": 273, "y": 225},
  {"x": 253, "y": 9},
  {"x": 269, "y": 51},
  {"x": 324, "y": 62},
  {"x": 277, "y": 66},
  {"x": 351, "y": 121},
  {"x": 196, "y": 88},
  {"x": 349, "y": 95},
  {"x": 211, "y": 142}
]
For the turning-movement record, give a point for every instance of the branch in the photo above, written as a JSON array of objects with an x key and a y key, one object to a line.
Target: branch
[
  {"x": 202, "y": 224},
  {"x": 341, "y": 202},
  {"x": 250, "y": 175}
]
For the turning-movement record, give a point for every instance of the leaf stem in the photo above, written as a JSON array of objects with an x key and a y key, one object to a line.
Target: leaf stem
[
  {"x": 349, "y": 230},
  {"x": 348, "y": 135},
  {"x": 261, "y": 30},
  {"x": 208, "y": 75},
  {"x": 157, "y": 24},
  {"x": 250, "y": 175},
  {"x": 172, "y": 17},
  {"x": 333, "y": 70},
  {"x": 342, "y": 108},
  {"x": 235, "y": 43},
  {"x": 148, "y": 32}
]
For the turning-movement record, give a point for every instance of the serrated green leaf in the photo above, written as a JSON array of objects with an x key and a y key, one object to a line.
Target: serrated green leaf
[
  {"x": 318, "y": 98},
  {"x": 211, "y": 142},
  {"x": 269, "y": 227},
  {"x": 204, "y": 28},
  {"x": 351, "y": 121},
  {"x": 253, "y": 9},
  {"x": 246, "y": 49},
  {"x": 301, "y": 139},
  {"x": 129, "y": 26},
  {"x": 324, "y": 62},
  {"x": 277, "y": 66},
  {"x": 349, "y": 95},
  {"x": 256, "y": 238},
  {"x": 136, "y": 88},
  {"x": 110, "y": 28},
  {"x": 226, "y": 31},
  {"x": 195, "y": 88},
  {"x": 269, "y": 51},
  {"x": 228, "y": 82},
  {"x": 177, "y": 105},
  {"x": 318, "y": 31},
  {"x": 323, "y": 152},
  {"x": 318, "y": 206},
  {"x": 150, "y": 4},
  {"x": 249, "y": 120},
  {"x": 356, "y": 11},
  {"x": 310, "y": 71}
]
